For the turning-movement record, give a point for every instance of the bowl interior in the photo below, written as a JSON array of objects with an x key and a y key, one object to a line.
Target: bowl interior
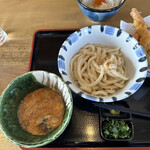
[
  {"x": 80, "y": 2},
  {"x": 135, "y": 58},
  {"x": 11, "y": 98}
]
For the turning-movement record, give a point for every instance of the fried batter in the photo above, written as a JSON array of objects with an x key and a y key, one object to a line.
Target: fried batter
[
  {"x": 142, "y": 33},
  {"x": 41, "y": 111}
]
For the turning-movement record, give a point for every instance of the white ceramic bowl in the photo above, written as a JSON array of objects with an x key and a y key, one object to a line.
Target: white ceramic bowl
[{"x": 135, "y": 58}]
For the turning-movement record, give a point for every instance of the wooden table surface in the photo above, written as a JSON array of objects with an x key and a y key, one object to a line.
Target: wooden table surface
[{"x": 21, "y": 18}]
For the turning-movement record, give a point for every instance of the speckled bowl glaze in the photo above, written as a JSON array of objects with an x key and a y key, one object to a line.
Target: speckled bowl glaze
[
  {"x": 134, "y": 55},
  {"x": 97, "y": 15},
  {"x": 11, "y": 98}
]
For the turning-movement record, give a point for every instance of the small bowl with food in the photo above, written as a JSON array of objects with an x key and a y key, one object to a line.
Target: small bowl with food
[
  {"x": 102, "y": 63},
  {"x": 100, "y": 10},
  {"x": 115, "y": 114},
  {"x": 117, "y": 130},
  {"x": 35, "y": 109},
  {"x": 116, "y": 125}
]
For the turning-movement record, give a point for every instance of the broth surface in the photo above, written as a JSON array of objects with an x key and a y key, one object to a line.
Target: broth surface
[{"x": 41, "y": 111}]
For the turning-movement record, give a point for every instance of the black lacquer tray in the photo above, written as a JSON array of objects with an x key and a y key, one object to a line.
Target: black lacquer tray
[{"x": 84, "y": 128}]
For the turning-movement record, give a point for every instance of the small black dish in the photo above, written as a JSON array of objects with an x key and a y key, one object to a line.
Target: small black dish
[
  {"x": 122, "y": 115},
  {"x": 127, "y": 122}
]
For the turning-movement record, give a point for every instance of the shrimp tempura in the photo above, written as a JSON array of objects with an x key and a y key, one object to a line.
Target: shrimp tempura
[{"x": 142, "y": 33}]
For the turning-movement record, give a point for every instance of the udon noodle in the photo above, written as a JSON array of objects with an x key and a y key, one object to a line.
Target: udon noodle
[{"x": 99, "y": 70}]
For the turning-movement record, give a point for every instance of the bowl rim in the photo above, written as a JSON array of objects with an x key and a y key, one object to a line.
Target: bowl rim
[
  {"x": 88, "y": 96},
  {"x": 62, "y": 129},
  {"x": 102, "y": 11}
]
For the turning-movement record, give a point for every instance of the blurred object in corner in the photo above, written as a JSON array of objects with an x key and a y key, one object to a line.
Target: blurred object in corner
[{"x": 3, "y": 37}]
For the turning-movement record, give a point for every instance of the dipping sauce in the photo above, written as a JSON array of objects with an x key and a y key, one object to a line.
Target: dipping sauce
[
  {"x": 101, "y": 4},
  {"x": 41, "y": 111}
]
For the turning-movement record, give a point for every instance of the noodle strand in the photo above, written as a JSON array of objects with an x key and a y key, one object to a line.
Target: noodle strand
[{"x": 99, "y": 70}]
